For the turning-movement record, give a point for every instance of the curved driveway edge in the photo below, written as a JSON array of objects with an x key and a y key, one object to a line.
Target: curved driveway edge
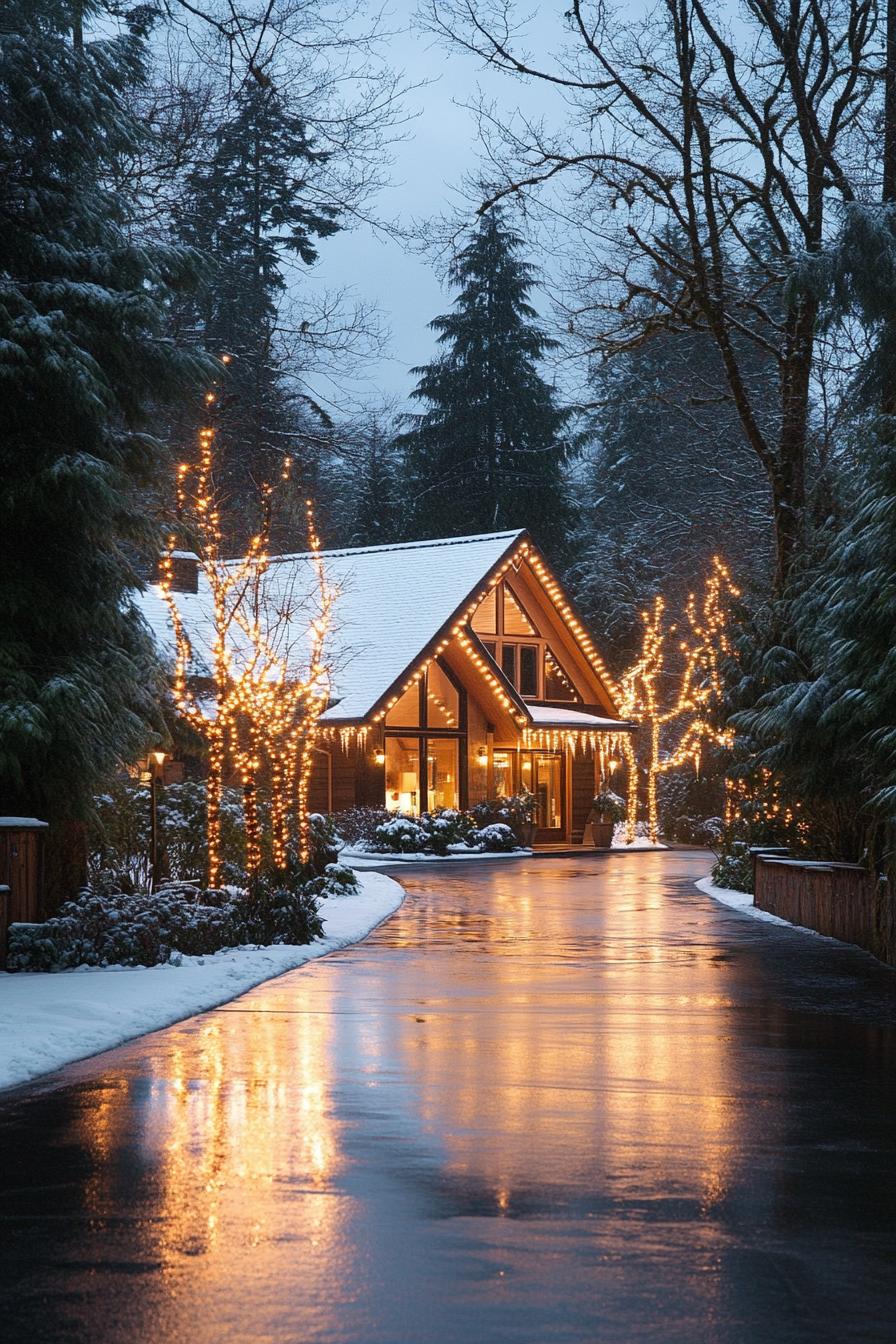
[{"x": 49, "y": 1019}]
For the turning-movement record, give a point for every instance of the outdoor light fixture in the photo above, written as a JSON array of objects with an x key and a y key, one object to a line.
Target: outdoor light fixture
[
  {"x": 158, "y": 758},
  {"x": 612, "y": 765},
  {"x": 379, "y": 756},
  {"x": 482, "y": 756}
]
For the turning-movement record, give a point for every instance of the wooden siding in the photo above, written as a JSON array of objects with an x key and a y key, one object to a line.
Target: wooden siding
[
  {"x": 836, "y": 899},
  {"x": 583, "y": 791}
]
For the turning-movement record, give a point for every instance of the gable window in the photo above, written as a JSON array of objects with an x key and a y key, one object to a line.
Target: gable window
[
  {"x": 485, "y": 617},
  {"x": 516, "y": 622},
  {"x": 511, "y": 639},
  {"x": 557, "y": 685}
]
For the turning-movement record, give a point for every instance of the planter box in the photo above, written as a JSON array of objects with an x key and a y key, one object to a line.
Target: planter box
[{"x": 602, "y": 834}]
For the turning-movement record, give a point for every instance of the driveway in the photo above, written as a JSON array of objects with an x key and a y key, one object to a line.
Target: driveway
[{"x": 549, "y": 1100}]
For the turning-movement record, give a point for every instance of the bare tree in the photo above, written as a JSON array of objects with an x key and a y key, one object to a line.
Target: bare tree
[{"x": 715, "y": 153}]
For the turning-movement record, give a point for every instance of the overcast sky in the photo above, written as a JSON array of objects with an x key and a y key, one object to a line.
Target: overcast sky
[{"x": 440, "y": 149}]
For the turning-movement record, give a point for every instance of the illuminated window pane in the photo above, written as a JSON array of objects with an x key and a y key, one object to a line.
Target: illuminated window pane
[
  {"x": 516, "y": 622},
  {"x": 485, "y": 617},
  {"x": 403, "y": 774},
  {"x": 528, "y": 669},
  {"x": 557, "y": 685},
  {"x": 442, "y": 699},
  {"x": 405, "y": 713},
  {"x": 441, "y": 772},
  {"x": 548, "y": 787},
  {"x": 503, "y": 763}
]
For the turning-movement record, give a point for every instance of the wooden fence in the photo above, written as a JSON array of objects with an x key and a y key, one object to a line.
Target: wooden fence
[{"x": 837, "y": 899}]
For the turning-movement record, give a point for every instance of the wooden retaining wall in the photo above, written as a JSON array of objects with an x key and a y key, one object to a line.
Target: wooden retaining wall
[{"x": 837, "y": 899}]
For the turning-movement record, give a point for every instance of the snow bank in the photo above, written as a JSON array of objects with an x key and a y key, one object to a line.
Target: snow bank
[
  {"x": 370, "y": 858},
  {"x": 53, "y": 1018},
  {"x": 639, "y": 842}
]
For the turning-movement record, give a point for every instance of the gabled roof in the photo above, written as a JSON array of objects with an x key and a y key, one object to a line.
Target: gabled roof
[
  {"x": 396, "y": 605},
  {"x": 393, "y": 601}
]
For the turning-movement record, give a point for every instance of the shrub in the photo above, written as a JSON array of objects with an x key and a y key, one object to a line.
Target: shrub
[
  {"x": 358, "y": 825},
  {"x": 496, "y": 838},
  {"x": 119, "y": 837},
  {"x": 609, "y": 806},
  {"x": 281, "y": 909},
  {"x": 733, "y": 867},
  {"x": 448, "y": 827},
  {"x": 517, "y": 811},
  {"x": 401, "y": 835},
  {"x": 324, "y": 842},
  {"x": 114, "y": 928}
]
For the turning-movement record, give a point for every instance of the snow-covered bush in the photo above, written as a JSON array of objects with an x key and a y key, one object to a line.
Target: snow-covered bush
[
  {"x": 448, "y": 827},
  {"x": 609, "y": 806},
  {"x": 496, "y": 839},
  {"x": 518, "y": 811},
  {"x": 357, "y": 825},
  {"x": 733, "y": 868},
  {"x": 113, "y": 928},
  {"x": 119, "y": 836},
  {"x": 402, "y": 835},
  {"x": 324, "y": 842}
]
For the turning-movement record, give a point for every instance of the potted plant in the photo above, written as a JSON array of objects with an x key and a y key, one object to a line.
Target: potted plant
[{"x": 607, "y": 808}]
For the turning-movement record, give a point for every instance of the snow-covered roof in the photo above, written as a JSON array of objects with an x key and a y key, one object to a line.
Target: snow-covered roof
[
  {"x": 544, "y": 716},
  {"x": 393, "y": 601}
]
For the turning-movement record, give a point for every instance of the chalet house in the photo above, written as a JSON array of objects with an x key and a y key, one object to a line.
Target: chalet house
[{"x": 462, "y": 672}]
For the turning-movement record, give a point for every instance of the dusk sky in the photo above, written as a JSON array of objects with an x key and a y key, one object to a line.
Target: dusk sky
[{"x": 441, "y": 147}]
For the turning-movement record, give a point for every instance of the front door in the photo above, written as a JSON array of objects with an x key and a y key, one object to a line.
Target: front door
[{"x": 549, "y": 794}]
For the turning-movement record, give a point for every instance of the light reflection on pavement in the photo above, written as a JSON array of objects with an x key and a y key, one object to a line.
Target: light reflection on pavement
[{"x": 549, "y": 1100}]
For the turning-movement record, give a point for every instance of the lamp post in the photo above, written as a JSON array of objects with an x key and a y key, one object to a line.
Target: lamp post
[{"x": 157, "y": 761}]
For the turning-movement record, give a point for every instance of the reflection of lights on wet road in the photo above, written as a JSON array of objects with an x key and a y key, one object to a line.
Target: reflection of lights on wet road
[{"x": 545, "y": 1101}]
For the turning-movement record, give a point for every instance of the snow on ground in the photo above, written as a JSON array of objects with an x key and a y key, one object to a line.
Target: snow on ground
[
  {"x": 742, "y": 900},
  {"x": 48, "y": 1019},
  {"x": 639, "y": 842},
  {"x": 367, "y": 858}
]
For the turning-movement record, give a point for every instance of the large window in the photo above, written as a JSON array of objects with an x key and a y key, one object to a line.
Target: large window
[
  {"x": 442, "y": 755},
  {"x": 510, "y": 638},
  {"x": 403, "y": 774},
  {"x": 425, "y": 741}
]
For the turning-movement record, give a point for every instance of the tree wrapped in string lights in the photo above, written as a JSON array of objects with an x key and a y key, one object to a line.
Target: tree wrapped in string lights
[
  {"x": 268, "y": 677},
  {"x": 676, "y": 705}
]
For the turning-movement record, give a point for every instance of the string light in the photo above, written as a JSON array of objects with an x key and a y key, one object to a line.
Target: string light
[
  {"x": 700, "y": 687},
  {"x": 265, "y": 703}
]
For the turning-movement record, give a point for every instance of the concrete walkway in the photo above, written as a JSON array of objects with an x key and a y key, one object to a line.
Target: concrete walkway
[{"x": 553, "y": 1100}]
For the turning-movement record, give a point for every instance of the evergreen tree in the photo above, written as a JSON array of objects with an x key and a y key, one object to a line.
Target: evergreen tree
[
  {"x": 83, "y": 357},
  {"x": 670, "y": 481},
  {"x": 490, "y": 450},
  {"x": 376, "y": 497},
  {"x": 248, "y": 208}
]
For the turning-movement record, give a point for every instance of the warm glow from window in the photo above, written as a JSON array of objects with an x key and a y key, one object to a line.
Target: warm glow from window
[
  {"x": 485, "y": 617},
  {"x": 516, "y": 622}
]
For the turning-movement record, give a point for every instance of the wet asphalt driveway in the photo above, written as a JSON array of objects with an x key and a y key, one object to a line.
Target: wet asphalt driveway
[{"x": 549, "y": 1100}]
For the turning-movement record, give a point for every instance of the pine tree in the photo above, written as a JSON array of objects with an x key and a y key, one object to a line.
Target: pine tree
[
  {"x": 669, "y": 482},
  {"x": 248, "y": 208},
  {"x": 490, "y": 450},
  {"x": 83, "y": 357}
]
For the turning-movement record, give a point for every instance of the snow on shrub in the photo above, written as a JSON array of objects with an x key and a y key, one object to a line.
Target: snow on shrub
[
  {"x": 401, "y": 835},
  {"x": 496, "y": 838},
  {"x": 113, "y": 928},
  {"x": 448, "y": 827},
  {"x": 357, "y": 826}
]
